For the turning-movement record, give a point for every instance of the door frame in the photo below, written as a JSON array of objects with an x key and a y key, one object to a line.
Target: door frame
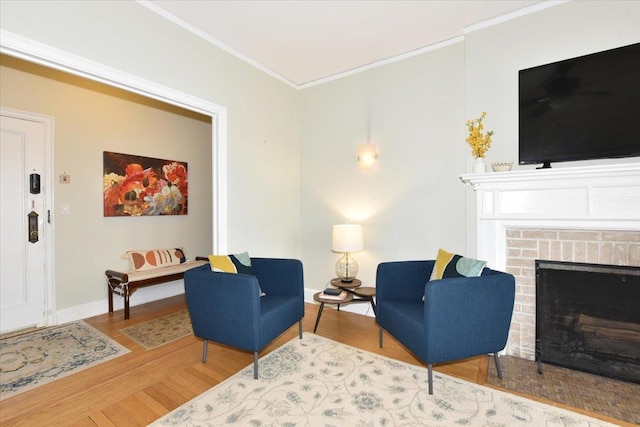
[
  {"x": 30, "y": 50},
  {"x": 47, "y": 189}
]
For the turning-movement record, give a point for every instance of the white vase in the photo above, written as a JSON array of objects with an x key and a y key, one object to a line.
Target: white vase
[{"x": 479, "y": 166}]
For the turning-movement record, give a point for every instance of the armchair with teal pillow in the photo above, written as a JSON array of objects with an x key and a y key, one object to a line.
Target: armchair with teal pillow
[
  {"x": 445, "y": 319},
  {"x": 242, "y": 310}
]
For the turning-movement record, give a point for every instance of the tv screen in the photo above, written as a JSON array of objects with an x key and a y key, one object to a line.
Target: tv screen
[{"x": 581, "y": 108}]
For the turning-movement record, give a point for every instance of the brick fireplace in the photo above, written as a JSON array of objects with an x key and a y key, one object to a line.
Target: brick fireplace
[
  {"x": 586, "y": 214},
  {"x": 525, "y": 245}
]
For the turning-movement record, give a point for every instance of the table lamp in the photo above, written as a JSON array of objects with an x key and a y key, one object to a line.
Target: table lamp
[{"x": 347, "y": 238}]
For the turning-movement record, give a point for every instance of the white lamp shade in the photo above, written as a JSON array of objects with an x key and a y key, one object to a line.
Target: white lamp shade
[{"x": 347, "y": 238}]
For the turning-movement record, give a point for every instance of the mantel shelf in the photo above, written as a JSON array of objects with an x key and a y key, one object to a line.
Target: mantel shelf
[{"x": 547, "y": 176}]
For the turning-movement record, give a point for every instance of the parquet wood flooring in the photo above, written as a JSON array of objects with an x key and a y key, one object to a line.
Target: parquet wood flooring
[{"x": 137, "y": 388}]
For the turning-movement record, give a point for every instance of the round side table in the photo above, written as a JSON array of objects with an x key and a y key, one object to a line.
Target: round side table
[
  {"x": 318, "y": 297},
  {"x": 355, "y": 283},
  {"x": 355, "y": 293}
]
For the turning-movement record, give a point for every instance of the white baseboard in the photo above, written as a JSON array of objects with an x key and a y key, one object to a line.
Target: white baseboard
[
  {"x": 166, "y": 290},
  {"x": 141, "y": 296}
]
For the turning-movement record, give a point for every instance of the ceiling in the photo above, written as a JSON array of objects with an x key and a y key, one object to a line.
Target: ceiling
[{"x": 307, "y": 42}]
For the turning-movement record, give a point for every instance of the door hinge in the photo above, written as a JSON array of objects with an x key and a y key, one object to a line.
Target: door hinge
[{"x": 49, "y": 216}]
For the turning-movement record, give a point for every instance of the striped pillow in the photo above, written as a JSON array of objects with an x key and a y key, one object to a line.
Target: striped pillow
[{"x": 142, "y": 260}]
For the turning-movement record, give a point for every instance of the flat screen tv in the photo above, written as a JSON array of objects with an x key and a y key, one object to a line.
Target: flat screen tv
[{"x": 581, "y": 108}]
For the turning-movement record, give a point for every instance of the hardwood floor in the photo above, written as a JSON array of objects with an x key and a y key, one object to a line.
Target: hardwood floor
[{"x": 138, "y": 388}]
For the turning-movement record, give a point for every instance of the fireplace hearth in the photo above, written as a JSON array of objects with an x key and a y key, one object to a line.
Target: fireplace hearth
[{"x": 588, "y": 318}]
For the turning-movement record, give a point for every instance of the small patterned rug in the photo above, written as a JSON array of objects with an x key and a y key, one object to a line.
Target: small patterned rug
[
  {"x": 595, "y": 393},
  {"x": 315, "y": 381},
  {"x": 162, "y": 330},
  {"x": 40, "y": 357}
]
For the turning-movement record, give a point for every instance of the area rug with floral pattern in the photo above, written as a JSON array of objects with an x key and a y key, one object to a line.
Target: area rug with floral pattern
[
  {"x": 163, "y": 330},
  {"x": 315, "y": 381},
  {"x": 45, "y": 355}
]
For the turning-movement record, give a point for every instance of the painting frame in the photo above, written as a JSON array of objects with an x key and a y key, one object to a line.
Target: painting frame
[{"x": 135, "y": 185}]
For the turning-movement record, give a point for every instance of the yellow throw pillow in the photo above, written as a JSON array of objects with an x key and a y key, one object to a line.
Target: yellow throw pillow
[
  {"x": 450, "y": 265},
  {"x": 234, "y": 263}
]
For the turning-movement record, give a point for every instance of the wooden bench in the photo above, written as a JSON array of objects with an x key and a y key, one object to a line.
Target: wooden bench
[{"x": 125, "y": 284}]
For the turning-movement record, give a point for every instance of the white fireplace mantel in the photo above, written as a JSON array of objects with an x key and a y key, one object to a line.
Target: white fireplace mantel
[
  {"x": 519, "y": 204},
  {"x": 591, "y": 197}
]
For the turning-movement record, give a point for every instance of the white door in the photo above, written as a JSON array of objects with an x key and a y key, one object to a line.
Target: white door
[{"x": 23, "y": 245}]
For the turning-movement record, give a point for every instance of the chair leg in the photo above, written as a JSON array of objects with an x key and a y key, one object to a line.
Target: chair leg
[
  {"x": 255, "y": 365},
  {"x": 300, "y": 328},
  {"x": 496, "y": 357},
  {"x": 204, "y": 351},
  {"x": 381, "y": 334},
  {"x": 430, "y": 369}
]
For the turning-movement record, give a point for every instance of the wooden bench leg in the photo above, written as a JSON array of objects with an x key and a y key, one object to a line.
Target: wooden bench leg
[
  {"x": 120, "y": 284},
  {"x": 110, "y": 299},
  {"x": 126, "y": 305}
]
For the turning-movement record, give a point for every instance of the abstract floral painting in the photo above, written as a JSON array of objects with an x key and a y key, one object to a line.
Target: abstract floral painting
[{"x": 144, "y": 186}]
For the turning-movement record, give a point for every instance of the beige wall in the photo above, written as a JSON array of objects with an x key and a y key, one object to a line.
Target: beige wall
[{"x": 90, "y": 118}]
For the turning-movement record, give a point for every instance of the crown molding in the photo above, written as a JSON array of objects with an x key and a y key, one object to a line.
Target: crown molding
[
  {"x": 512, "y": 15},
  {"x": 214, "y": 41},
  {"x": 484, "y": 24}
]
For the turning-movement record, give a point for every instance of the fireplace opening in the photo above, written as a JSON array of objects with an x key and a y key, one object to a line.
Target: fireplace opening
[{"x": 588, "y": 318}]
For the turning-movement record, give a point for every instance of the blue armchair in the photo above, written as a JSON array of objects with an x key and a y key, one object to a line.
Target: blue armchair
[
  {"x": 459, "y": 317},
  {"x": 228, "y": 309}
]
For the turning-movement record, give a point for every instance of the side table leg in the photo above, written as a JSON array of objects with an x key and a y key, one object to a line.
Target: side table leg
[{"x": 318, "y": 318}]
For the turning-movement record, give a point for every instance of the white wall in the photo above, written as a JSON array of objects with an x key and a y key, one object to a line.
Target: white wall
[
  {"x": 412, "y": 201},
  {"x": 263, "y": 137},
  {"x": 496, "y": 53}
]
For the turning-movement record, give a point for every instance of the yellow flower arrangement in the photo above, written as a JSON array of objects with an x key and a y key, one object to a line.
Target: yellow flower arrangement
[{"x": 480, "y": 142}]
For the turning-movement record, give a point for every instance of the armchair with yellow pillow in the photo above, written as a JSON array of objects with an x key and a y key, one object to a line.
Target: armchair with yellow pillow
[
  {"x": 244, "y": 302},
  {"x": 445, "y": 309}
]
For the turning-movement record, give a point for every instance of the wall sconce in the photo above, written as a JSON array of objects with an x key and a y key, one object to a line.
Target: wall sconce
[
  {"x": 367, "y": 155},
  {"x": 347, "y": 238}
]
